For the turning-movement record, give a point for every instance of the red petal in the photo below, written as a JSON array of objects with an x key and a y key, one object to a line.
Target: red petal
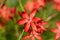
[
  {"x": 0, "y": 11},
  {"x": 58, "y": 7},
  {"x": 58, "y": 24},
  {"x": 41, "y": 2},
  {"x": 32, "y": 14},
  {"x": 39, "y": 30},
  {"x": 22, "y": 21},
  {"x": 54, "y": 30},
  {"x": 33, "y": 26},
  {"x": 4, "y": 7},
  {"x": 27, "y": 26},
  {"x": 57, "y": 36},
  {"x": 32, "y": 38},
  {"x": 13, "y": 10},
  {"x": 26, "y": 37},
  {"x": 57, "y": 1},
  {"x": 25, "y": 15},
  {"x": 29, "y": 5},
  {"x": 38, "y": 37},
  {"x": 43, "y": 28},
  {"x": 43, "y": 23},
  {"x": 36, "y": 5},
  {"x": 35, "y": 19}
]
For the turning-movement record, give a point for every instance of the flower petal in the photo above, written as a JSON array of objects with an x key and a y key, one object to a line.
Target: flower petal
[
  {"x": 43, "y": 23},
  {"x": 35, "y": 19},
  {"x": 57, "y": 1},
  {"x": 32, "y": 14},
  {"x": 26, "y": 37},
  {"x": 33, "y": 26},
  {"x": 13, "y": 10},
  {"x": 22, "y": 21},
  {"x": 29, "y": 5},
  {"x": 58, "y": 7},
  {"x": 32, "y": 38},
  {"x": 27, "y": 25},
  {"x": 43, "y": 28},
  {"x": 38, "y": 37},
  {"x": 41, "y": 2},
  {"x": 57, "y": 36},
  {"x": 54, "y": 30},
  {"x": 36, "y": 5},
  {"x": 58, "y": 24},
  {"x": 25, "y": 15}
]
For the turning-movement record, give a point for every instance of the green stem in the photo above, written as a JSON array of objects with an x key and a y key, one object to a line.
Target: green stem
[
  {"x": 21, "y": 35},
  {"x": 21, "y": 6}
]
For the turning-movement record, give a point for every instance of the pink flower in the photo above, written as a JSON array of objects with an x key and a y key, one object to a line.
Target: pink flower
[
  {"x": 32, "y": 36},
  {"x": 57, "y": 31},
  {"x": 27, "y": 20}
]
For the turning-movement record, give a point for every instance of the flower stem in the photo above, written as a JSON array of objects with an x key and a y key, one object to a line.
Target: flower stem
[
  {"x": 21, "y": 35},
  {"x": 21, "y": 6}
]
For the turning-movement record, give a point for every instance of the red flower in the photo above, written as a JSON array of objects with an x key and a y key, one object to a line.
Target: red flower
[
  {"x": 57, "y": 4},
  {"x": 34, "y": 4},
  {"x": 33, "y": 35},
  {"x": 4, "y": 12},
  {"x": 57, "y": 31},
  {"x": 28, "y": 20}
]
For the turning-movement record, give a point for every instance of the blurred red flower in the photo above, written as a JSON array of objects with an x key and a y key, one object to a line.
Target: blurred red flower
[
  {"x": 6, "y": 13},
  {"x": 27, "y": 20}
]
